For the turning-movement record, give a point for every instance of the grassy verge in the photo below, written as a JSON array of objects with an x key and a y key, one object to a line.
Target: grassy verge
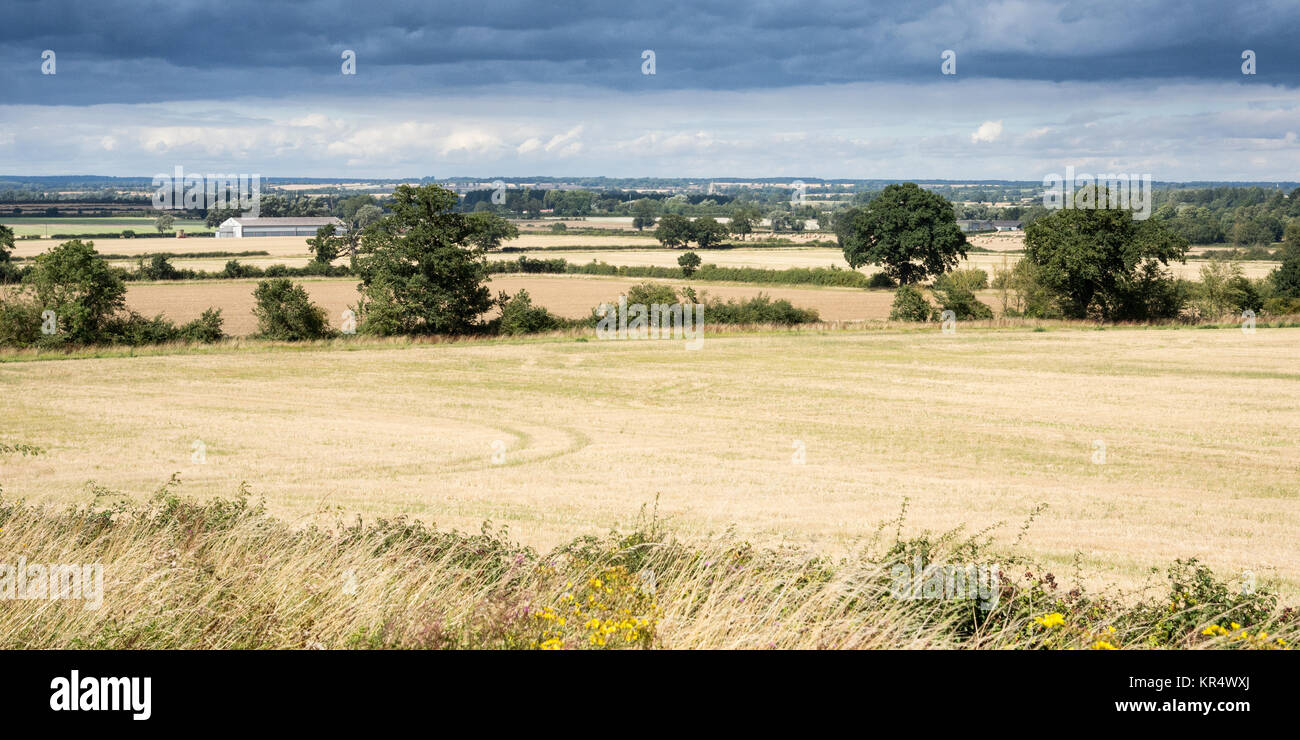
[{"x": 180, "y": 574}]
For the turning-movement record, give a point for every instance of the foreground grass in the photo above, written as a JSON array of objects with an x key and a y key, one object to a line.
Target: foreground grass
[{"x": 224, "y": 574}]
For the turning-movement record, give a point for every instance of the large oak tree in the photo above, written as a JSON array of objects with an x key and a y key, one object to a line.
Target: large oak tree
[
  {"x": 1101, "y": 260},
  {"x": 910, "y": 232}
]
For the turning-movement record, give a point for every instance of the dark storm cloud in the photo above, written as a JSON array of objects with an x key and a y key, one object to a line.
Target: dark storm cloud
[{"x": 135, "y": 52}]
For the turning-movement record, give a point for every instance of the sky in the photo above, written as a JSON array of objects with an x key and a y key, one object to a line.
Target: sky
[{"x": 830, "y": 89}]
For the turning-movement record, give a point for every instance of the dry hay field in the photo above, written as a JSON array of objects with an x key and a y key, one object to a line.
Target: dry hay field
[
  {"x": 572, "y": 296},
  {"x": 976, "y": 428},
  {"x": 577, "y": 248}
]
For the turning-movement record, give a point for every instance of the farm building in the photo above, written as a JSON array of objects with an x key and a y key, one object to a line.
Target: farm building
[
  {"x": 238, "y": 228},
  {"x": 972, "y": 225}
]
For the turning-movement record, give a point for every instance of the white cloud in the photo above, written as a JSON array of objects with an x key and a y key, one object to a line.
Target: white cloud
[
  {"x": 1177, "y": 131},
  {"x": 988, "y": 132}
]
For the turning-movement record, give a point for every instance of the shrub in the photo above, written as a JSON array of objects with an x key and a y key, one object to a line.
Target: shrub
[
  {"x": 832, "y": 276},
  {"x": 20, "y": 320},
  {"x": 648, "y": 293},
  {"x": 530, "y": 266},
  {"x": 760, "y": 309},
  {"x": 136, "y": 330},
  {"x": 1023, "y": 293},
  {"x": 971, "y": 279},
  {"x": 881, "y": 281},
  {"x": 158, "y": 268},
  {"x": 206, "y": 328},
  {"x": 910, "y": 305},
  {"x": 85, "y": 298},
  {"x": 961, "y": 301},
  {"x": 520, "y": 316},
  {"x": 1280, "y": 306},
  {"x": 80, "y": 287},
  {"x": 285, "y": 312}
]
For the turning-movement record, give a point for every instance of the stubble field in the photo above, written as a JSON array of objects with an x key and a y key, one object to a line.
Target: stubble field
[
  {"x": 633, "y": 249},
  {"x": 1196, "y": 428}
]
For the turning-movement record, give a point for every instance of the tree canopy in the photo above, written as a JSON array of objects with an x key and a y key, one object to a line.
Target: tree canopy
[
  {"x": 422, "y": 269},
  {"x": 1100, "y": 259},
  {"x": 80, "y": 287},
  {"x": 910, "y": 232}
]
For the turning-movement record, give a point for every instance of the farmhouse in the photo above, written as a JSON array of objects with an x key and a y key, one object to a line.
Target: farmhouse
[{"x": 238, "y": 228}]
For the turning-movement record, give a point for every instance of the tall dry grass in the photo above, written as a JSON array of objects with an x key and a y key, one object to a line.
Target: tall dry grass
[{"x": 223, "y": 574}]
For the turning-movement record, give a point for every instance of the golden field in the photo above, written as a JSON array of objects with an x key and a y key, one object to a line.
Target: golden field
[
  {"x": 571, "y": 296},
  {"x": 978, "y": 427},
  {"x": 577, "y": 248}
]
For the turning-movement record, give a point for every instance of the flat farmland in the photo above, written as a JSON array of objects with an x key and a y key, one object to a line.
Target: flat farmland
[
  {"x": 40, "y": 226},
  {"x": 277, "y": 246},
  {"x": 1198, "y": 429},
  {"x": 613, "y": 250},
  {"x": 572, "y": 296}
]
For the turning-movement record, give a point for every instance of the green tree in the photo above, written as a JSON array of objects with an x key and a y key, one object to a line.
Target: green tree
[
  {"x": 674, "y": 231},
  {"x": 743, "y": 220},
  {"x": 1089, "y": 258},
  {"x": 1290, "y": 235},
  {"x": 366, "y": 215},
  {"x": 421, "y": 270},
  {"x": 644, "y": 212},
  {"x": 80, "y": 287},
  {"x": 325, "y": 245},
  {"x": 780, "y": 221},
  {"x": 490, "y": 229},
  {"x": 285, "y": 312},
  {"x": 707, "y": 232},
  {"x": 909, "y": 231},
  {"x": 1286, "y": 278},
  {"x": 348, "y": 208},
  {"x": 216, "y": 216},
  {"x": 689, "y": 262},
  {"x": 6, "y": 242},
  {"x": 164, "y": 222}
]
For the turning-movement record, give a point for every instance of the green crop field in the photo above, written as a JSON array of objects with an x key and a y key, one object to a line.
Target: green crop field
[{"x": 48, "y": 226}]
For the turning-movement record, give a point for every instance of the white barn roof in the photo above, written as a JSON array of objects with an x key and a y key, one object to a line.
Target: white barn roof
[{"x": 285, "y": 221}]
